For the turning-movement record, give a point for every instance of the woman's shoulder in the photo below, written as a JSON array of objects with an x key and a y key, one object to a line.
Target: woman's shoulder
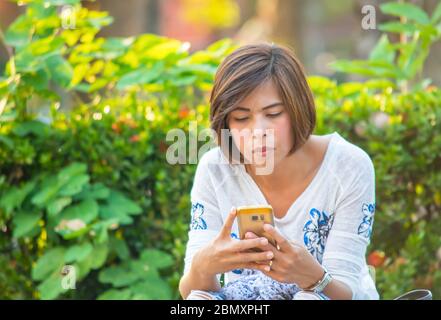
[
  {"x": 349, "y": 159},
  {"x": 348, "y": 154}
]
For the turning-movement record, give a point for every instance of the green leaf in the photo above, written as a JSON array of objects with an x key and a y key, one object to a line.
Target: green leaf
[
  {"x": 25, "y": 222},
  {"x": 120, "y": 247},
  {"x": 78, "y": 252},
  {"x": 142, "y": 76},
  {"x": 86, "y": 210},
  {"x": 55, "y": 206},
  {"x": 48, "y": 191},
  {"x": 35, "y": 127},
  {"x": 51, "y": 287},
  {"x": 69, "y": 234},
  {"x": 321, "y": 84},
  {"x": 61, "y": 2},
  {"x": 111, "y": 213},
  {"x": 45, "y": 48},
  {"x": 383, "y": 50},
  {"x": 114, "y": 294},
  {"x": 115, "y": 47},
  {"x": 121, "y": 202},
  {"x": 14, "y": 197},
  {"x": 18, "y": 32},
  {"x": 166, "y": 50},
  {"x": 350, "y": 88},
  {"x": 60, "y": 70},
  {"x": 95, "y": 191},
  {"x": 156, "y": 258},
  {"x": 83, "y": 267},
  {"x": 119, "y": 207},
  {"x": 379, "y": 84},
  {"x": 183, "y": 80},
  {"x": 38, "y": 80},
  {"x": 368, "y": 68},
  {"x": 101, "y": 229},
  {"x": 74, "y": 169},
  {"x": 142, "y": 268},
  {"x": 222, "y": 47},
  {"x": 118, "y": 276},
  {"x": 100, "y": 20},
  {"x": 74, "y": 185},
  {"x": 26, "y": 62},
  {"x": 35, "y": 10},
  {"x": 7, "y": 141},
  {"x": 51, "y": 261},
  {"x": 151, "y": 288},
  {"x": 99, "y": 255},
  {"x": 398, "y": 27},
  {"x": 407, "y": 10}
]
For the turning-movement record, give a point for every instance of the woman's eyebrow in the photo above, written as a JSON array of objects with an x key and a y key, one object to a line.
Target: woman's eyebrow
[{"x": 275, "y": 104}]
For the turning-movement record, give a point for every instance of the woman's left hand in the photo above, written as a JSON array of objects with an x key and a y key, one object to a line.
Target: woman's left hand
[{"x": 292, "y": 263}]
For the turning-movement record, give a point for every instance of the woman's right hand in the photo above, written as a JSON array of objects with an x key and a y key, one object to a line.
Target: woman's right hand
[{"x": 224, "y": 254}]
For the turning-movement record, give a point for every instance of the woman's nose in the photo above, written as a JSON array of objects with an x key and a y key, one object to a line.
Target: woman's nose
[{"x": 260, "y": 128}]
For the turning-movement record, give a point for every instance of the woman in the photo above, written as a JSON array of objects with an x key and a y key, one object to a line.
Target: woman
[{"x": 322, "y": 189}]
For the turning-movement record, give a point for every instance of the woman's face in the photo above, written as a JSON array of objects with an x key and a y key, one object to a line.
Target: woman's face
[{"x": 261, "y": 126}]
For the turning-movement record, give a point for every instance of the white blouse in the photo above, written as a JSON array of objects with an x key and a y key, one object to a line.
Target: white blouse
[{"x": 332, "y": 218}]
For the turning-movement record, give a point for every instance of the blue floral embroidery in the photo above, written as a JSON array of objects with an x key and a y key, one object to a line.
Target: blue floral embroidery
[
  {"x": 316, "y": 232},
  {"x": 236, "y": 271},
  {"x": 197, "y": 222},
  {"x": 365, "y": 227}
]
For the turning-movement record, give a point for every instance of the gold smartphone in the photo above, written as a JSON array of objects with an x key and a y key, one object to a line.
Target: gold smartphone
[{"x": 252, "y": 218}]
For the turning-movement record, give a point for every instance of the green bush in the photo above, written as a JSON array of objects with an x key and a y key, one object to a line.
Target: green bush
[
  {"x": 401, "y": 133},
  {"x": 395, "y": 116},
  {"x": 84, "y": 180}
]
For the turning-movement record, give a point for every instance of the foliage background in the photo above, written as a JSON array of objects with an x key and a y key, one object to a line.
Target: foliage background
[{"x": 83, "y": 175}]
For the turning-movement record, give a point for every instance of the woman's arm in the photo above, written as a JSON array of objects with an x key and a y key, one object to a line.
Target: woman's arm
[
  {"x": 349, "y": 236},
  {"x": 337, "y": 290},
  {"x": 196, "y": 279},
  {"x": 294, "y": 264},
  {"x": 220, "y": 255}
]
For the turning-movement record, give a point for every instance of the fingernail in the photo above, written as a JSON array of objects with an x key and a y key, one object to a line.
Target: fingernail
[
  {"x": 267, "y": 268},
  {"x": 233, "y": 209},
  {"x": 264, "y": 241},
  {"x": 269, "y": 255}
]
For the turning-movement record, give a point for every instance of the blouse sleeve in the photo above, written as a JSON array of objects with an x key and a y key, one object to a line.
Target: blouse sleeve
[
  {"x": 344, "y": 255},
  {"x": 205, "y": 216}
]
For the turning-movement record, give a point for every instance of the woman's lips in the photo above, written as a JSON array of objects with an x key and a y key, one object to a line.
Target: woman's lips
[{"x": 262, "y": 150}]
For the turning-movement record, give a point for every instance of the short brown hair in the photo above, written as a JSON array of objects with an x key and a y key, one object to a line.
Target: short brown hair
[{"x": 249, "y": 66}]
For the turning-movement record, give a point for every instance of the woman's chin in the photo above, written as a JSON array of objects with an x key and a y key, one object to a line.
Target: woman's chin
[{"x": 263, "y": 159}]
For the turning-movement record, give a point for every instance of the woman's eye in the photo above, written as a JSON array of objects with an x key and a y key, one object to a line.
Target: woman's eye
[
  {"x": 241, "y": 119},
  {"x": 273, "y": 115}
]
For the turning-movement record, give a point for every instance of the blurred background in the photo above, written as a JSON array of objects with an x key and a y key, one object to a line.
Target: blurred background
[
  {"x": 318, "y": 31},
  {"x": 90, "y": 205}
]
